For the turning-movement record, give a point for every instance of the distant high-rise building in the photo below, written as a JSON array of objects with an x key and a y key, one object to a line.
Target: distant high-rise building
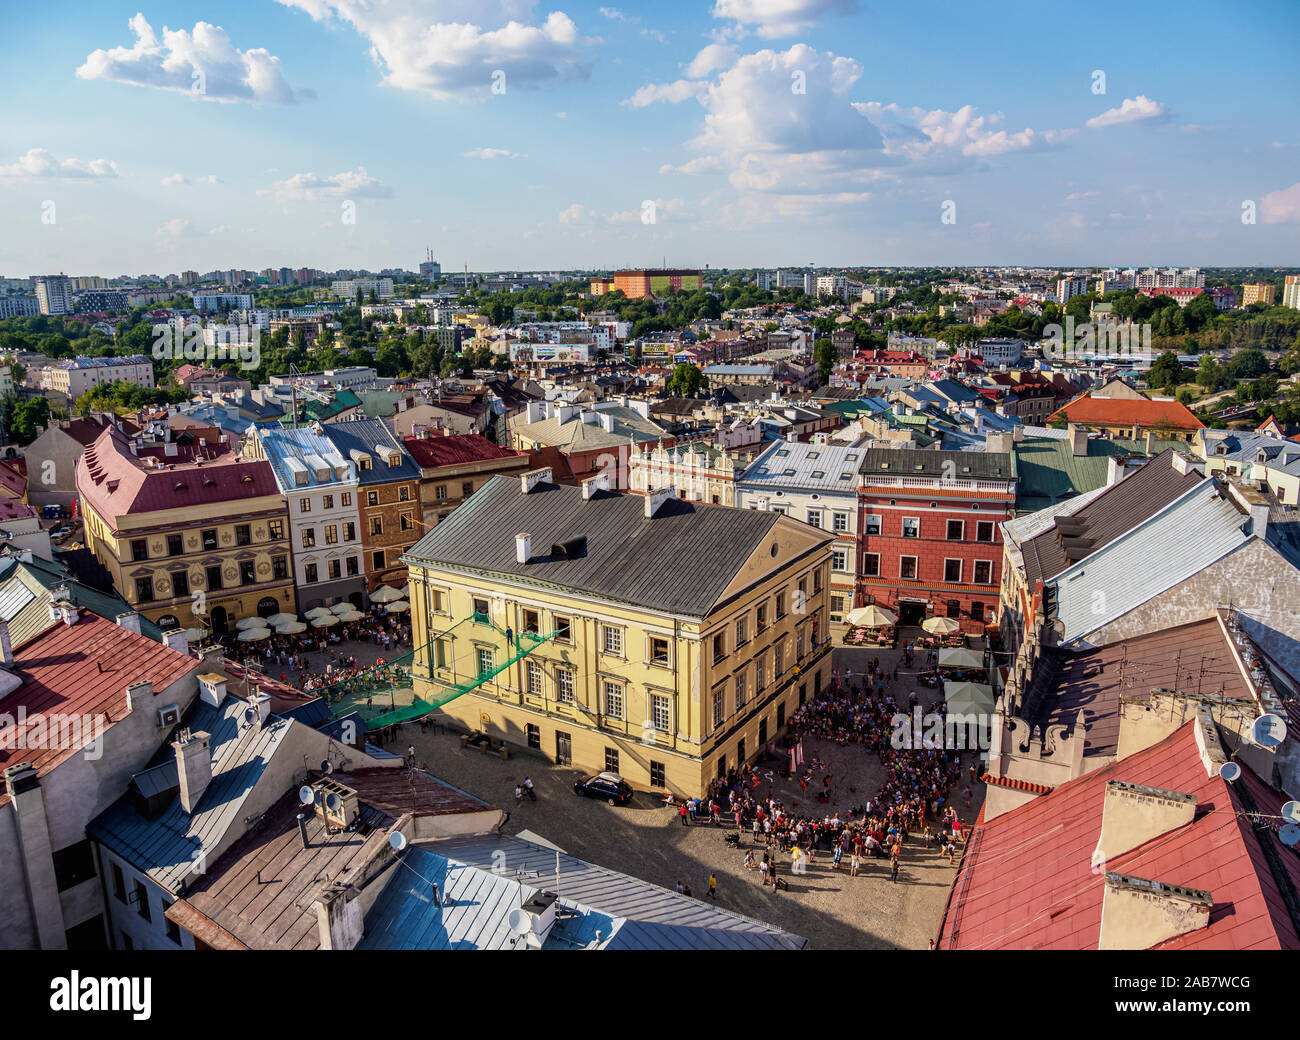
[
  {"x": 1258, "y": 292},
  {"x": 54, "y": 294},
  {"x": 1068, "y": 288},
  {"x": 1291, "y": 291},
  {"x": 430, "y": 268}
]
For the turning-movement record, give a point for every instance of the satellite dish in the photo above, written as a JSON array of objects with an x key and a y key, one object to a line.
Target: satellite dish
[
  {"x": 520, "y": 921},
  {"x": 250, "y": 714},
  {"x": 326, "y": 766},
  {"x": 1268, "y": 731},
  {"x": 332, "y": 801},
  {"x": 1291, "y": 812},
  {"x": 1290, "y": 835},
  {"x": 306, "y": 795},
  {"x": 1229, "y": 771},
  {"x": 397, "y": 840}
]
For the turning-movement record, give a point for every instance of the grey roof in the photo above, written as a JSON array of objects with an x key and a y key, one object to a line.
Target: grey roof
[
  {"x": 678, "y": 561},
  {"x": 374, "y": 438},
  {"x": 828, "y": 468},
  {"x": 26, "y": 588},
  {"x": 909, "y": 462},
  {"x": 167, "y": 848},
  {"x": 478, "y": 892}
]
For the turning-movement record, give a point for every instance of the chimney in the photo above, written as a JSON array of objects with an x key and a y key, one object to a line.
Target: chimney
[
  {"x": 1137, "y": 913},
  {"x": 338, "y": 918},
  {"x": 176, "y": 639},
  {"x": 606, "y": 421},
  {"x": 600, "y": 482},
  {"x": 130, "y": 621},
  {"x": 1133, "y": 814},
  {"x": 1183, "y": 463},
  {"x": 533, "y": 477},
  {"x": 6, "y": 646},
  {"x": 141, "y": 692},
  {"x": 1114, "y": 469},
  {"x": 1151, "y": 443},
  {"x": 654, "y": 500},
  {"x": 523, "y": 548},
  {"x": 1078, "y": 440},
  {"x": 193, "y": 767},
  {"x": 212, "y": 688}
]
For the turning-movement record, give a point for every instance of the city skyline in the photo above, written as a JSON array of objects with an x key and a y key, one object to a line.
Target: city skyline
[{"x": 165, "y": 137}]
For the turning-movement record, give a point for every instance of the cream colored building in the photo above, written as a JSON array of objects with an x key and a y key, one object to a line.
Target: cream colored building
[
  {"x": 667, "y": 641},
  {"x": 698, "y": 471}
]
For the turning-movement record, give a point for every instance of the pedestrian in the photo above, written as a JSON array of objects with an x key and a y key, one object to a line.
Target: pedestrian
[
  {"x": 679, "y": 888},
  {"x": 893, "y": 868},
  {"x": 854, "y": 864},
  {"x": 519, "y": 793},
  {"x": 713, "y": 885},
  {"x": 749, "y": 859},
  {"x": 682, "y": 813},
  {"x": 839, "y": 853}
]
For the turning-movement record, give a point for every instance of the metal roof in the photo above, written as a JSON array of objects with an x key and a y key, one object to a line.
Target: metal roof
[
  {"x": 966, "y": 465},
  {"x": 806, "y": 466},
  {"x": 373, "y": 437},
  {"x": 627, "y": 556}
]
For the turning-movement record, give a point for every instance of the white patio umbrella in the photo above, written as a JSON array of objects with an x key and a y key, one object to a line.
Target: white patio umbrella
[
  {"x": 290, "y": 628},
  {"x": 342, "y": 608},
  {"x": 325, "y": 621},
  {"x": 252, "y": 635},
  {"x": 250, "y": 622},
  {"x": 316, "y": 612},
  {"x": 281, "y": 619},
  {"x": 960, "y": 657},
  {"x": 969, "y": 698},
  {"x": 870, "y": 616},
  {"x": 351, "y": 615},
  {"x": 384, "y": 594},
  {"x": 398, "y": 606},
  {"x": 941, "y": 626}
]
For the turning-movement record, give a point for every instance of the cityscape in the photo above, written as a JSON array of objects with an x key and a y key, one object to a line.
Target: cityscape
[{"x": 478, "y": 568}]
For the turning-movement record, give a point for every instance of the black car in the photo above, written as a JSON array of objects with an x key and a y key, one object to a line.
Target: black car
[{"x": 610, "y": 786}]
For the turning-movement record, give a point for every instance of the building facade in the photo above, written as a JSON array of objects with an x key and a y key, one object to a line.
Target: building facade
[
  {"x": 73, "y": 377},
  {"x": 637, "y": 284},
  {"x": 453, "y": 467},
  {"x": 697, "y": 471}
]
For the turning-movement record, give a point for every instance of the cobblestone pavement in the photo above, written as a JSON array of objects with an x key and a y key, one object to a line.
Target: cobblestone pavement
[{"x": 827, "y": 907}]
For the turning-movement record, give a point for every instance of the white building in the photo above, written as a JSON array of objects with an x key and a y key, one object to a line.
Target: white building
[
  {"x": 19, "y": 306},
  {"x": 1068, "y": 288},
  {"x": 215, "y": 303},
  {"x": 997, "y": 352},
  {"x": 76, "y": 376},
  {"x": 54, "y": 294},
  {"x": 347, "y": 288}
]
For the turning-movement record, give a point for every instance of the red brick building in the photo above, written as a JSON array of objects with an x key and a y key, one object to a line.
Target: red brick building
[{"x": 929, "y": 538}]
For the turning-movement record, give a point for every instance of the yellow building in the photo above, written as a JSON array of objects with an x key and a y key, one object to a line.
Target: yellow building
[
  {"x": 188, "y": 539},
  {"x": 663, "y": 640},
  {"x": 1258, "y": 292}
]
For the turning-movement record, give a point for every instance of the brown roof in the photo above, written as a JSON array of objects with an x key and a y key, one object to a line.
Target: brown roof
[
  {"x": 1118, "y": 509},
  {"x": 1129, "y": 411}
]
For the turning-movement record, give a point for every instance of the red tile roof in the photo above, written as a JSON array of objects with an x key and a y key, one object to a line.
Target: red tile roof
[
  {"x": 83, "y": 670},
  {"x": 454, "y": 450},
  {"x": 1128, "y": 411},
  {"x": 1027, "y": 881}
]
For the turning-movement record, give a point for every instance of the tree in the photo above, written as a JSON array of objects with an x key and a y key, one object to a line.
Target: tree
[
  {"x": 825, "y": 356},
  {"x": 26, "y": 417},
  {"x": 1166, "y": 372},
  {"x": 686, "y": 380}
]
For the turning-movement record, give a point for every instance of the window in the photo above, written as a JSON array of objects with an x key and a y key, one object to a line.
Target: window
[
  {"x": 480, "y": 607},
  {"x": 372, "y": 498},
  {"x": 611, "y": 760},
  {"x": 243, "y": 534},
  {"x": 741, "y": 695},
  {"x": 247, "y": 573},
  {"x": 304, "y": 504},
  {"x": 660, "y": 712},
  {"x": 719, "y": 647},
  {"x": 331, "y": 534},
  {"x": 778, "y": 657},
  {"x": 327, "y": 502},
  {"x": 613, "y": 699},
  {"x": 873, "y": 523},
  {"x": 956, "y": 530},
  {"x": 983, "y": 572},
  {"x": 533, "y": 677},
  {"x": 310, "y": 573},
  {"x": 336, "y": 570},
  {"x": 210, "y": 538},
  {"x": 612, "y": 640},
  {"x": 762, "y": 617},
  {"x": 405, "y": 522},
  {"x": 760, "y": 675},
  {"x": 377, "y": 560},
  {"x": 719, "y": 709},
  {"x": 984, "y": 531},
  {"x": 871, "y": 564},
  {"x": 376, "y": 525},
  {"x": 172, "y": 928},
  {"x": 347, "y": 499},
  {"x": 907, "y": 567},
  {"x": 534, "y": 736},
  {"x": 275, "y": 530},
  {"x": 952, "y": 570},
  {"x": 564, "y": 686},
  {"x": 741, "y": 637},
  {"x": 483, "y": 657},
  {"x": 839, "y": 560},
  {"x": 141, "y": 900},
  {"x": 657, "y": 774},
  {"x": 780, "y": 605},
  {"x": 139, "y": 549},
  {"x": 911, "y": 527},
  {"x": 839, "y": 521},
  {"x": 73, "y": 865},
  {"x": 119, "y": 883},
  {"x": 658, "y": 650},
  {"x": 814, "y": 517},
  {"x": 143, "y": 590},
  {"x": 954, "y": 608},
  {"x": 403, "y": 494},
  {"x": 175, "y": 545},
  {"x": 440, "y": 492},
  {"x": 532, "y": 621},
  {"x": 467, "y": 489},
  {"x": 279, "y": 567},
  {"x": 349, "y": 532},
  {"x": 180, "y": 583},
  {"x": 563, "y": 630},
  {"x": 977, "y": 611},
  {"x": 309, "y": 537}
]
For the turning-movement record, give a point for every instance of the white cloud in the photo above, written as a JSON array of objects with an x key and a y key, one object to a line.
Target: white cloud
[
  {"x": 577, "y": 214},
  {"x": 714, "y": 56},
  {"x": 1131, "y": 110},
  {"x": 454, "y": 49},
  {"x": 349, "y": 184},
  {"x": 492, "y": 153},
  {"x": 37, "y": 164},
  {"x": 680, "y": 90},
  {"x": 175, "y": 228},
  {"x": 202, "y": 63},
  {"x": 1075, "y": 196},
  {"x": 180, "y": 178},
  {"x": 776, "y": 18},
  {"x": 1281, "y": 207},
  {"x": 614, "y": 14},
  {"x": 919, "y": 134}
]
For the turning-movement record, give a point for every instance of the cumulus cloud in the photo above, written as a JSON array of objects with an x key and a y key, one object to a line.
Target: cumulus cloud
[
  {"x": 921, "y": 134},
  {"x": 461, "y": 49},
  {"x": 1281, "y": 207},
  {"x": 680, "y": 90},
  {"x": 180, "y": 178},
  {"x": 356, "y": 184},
  {"x": 1139, "y": 109},
  {"x": 37, "y": 164},
  {"x": 202, "y": 62},
  {"x": 176, "y": 228},
  {"x": 772, "y": 19},
  {"x": 492, "y": 153},
  {"x": 714, "y": 56}
]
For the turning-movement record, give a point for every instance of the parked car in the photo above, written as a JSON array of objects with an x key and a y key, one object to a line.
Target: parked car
[{"x": 610, "y": 786}]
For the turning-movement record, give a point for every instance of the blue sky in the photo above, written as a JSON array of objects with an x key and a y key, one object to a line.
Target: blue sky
[{"x": 506, "y": 134}]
